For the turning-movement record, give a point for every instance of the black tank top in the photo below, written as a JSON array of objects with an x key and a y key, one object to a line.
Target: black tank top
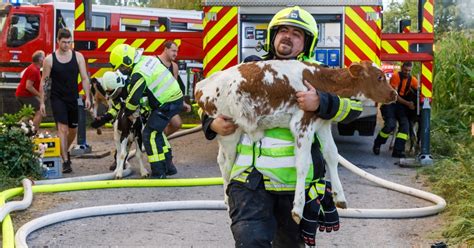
[{"x": 64, "y": 79}]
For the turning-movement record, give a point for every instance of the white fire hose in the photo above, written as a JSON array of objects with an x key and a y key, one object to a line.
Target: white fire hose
[{"x": 440, "y": 204}]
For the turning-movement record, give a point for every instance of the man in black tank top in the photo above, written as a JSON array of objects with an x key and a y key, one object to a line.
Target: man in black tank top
[{"x": 63, "y": 67}]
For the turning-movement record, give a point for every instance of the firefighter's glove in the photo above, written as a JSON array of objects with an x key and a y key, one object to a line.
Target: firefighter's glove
[
  {"x": 101, "y": 120},
  {"x": 312, "y": 208},
  {"x": 328, "y": 216}
]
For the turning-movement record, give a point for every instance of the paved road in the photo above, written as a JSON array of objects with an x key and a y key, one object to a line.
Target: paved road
[{"x": 195, "y": 157}]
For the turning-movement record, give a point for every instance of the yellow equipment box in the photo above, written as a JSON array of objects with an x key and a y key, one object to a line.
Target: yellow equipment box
[{"x": 54, "y": 146}]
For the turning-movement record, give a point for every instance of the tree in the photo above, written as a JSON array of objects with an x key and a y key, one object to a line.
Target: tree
[
  {"x": 453, "y": 15},
  {"x": 449, "y": 15},
  {"x": 176, "y": 4},
  {"x": 397, "y": 11}
]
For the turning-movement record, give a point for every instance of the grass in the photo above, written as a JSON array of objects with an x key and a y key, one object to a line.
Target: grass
[{"x": 452, "y": 145}]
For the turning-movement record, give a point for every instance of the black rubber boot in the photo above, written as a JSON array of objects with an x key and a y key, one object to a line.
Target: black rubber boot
[
  {"x": 398, "y": 154},
  {"x": 67, "y": 167},
  {"x": 170, "y": 168},
  {"x": 376, "y": 149},
  {"x": 158, "y": 170}
]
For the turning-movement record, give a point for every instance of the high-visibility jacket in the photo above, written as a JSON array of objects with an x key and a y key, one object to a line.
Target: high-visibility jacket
[
  {"x": 273, "y": 155},
  {"x": 150, "y": 76}
]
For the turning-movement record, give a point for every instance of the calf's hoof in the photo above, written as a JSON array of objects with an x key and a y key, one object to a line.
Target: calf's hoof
[
  {"x": 341, "y": 204},
  {"x": 296, "y": 217}
]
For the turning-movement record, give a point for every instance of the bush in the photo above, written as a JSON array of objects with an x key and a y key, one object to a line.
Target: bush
[{"x": 17, "y": 156}]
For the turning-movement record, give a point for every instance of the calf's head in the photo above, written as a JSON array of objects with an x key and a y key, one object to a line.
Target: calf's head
[{"x": 372, "y": 82}]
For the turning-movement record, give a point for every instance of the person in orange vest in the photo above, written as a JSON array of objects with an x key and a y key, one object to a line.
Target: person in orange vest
[{"x": 406, "y": 86}]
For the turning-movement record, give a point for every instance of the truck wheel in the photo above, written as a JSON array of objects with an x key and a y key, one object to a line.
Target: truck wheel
[
  {"x": 366, "y": 125},
  {"x": 346, "y": 129}
]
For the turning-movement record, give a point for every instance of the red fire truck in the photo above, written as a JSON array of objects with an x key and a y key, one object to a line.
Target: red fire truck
[{"x": 349, "y": 31}]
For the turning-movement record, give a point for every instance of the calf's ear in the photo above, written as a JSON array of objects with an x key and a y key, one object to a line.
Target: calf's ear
[{"x": 356, "y": 70}]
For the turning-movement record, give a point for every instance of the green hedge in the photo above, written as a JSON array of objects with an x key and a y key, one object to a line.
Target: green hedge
[{"x": 17, "y": 156}]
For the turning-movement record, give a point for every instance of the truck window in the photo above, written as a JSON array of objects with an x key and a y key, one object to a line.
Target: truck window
[
  {"x": 64, "y": 19},
  {"x": 3, "y": 18},
  {"x": 100, "y": 23},
  {"x": 23, "y": 28}
]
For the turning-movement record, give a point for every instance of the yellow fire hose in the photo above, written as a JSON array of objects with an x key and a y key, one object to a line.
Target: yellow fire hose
[
  {"x": 7, "y": 226},
  {"x": 52, "y": 124}
]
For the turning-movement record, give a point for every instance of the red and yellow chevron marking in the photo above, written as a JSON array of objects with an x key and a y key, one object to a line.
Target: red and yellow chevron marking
[
  {"x": 427, "y": 79},
  {"x": 149, "y": 45},
  {"x": 106, "y": 45},
  {"x": 407, "y": 29},
  {"x": 428, "y": 19},
  {"x": 395, "y": 46},
  {"x": 362, "y": 30},
  {"x": 220, "y": 39},
  {"x": 79, "y": 16}
]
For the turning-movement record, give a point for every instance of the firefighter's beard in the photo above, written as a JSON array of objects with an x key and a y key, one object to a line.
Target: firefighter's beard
[{"x": 285, "y": 49}]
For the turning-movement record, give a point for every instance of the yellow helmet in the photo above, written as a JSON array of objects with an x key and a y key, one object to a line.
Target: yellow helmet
[
  {"x": 295, "y": 17},
  {"x": 122, "y": 54}
]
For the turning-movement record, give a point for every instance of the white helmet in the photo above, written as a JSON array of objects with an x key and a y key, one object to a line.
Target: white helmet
[{"x": 113, "y": 82}]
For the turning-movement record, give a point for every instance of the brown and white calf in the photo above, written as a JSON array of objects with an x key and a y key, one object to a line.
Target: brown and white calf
[
  {"x": 127, "y": 132},
  {"x": 98, "y": 98},
  {"x": 261, "y": 95}
]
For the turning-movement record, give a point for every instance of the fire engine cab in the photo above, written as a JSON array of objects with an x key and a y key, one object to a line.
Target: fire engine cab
[{"x": 349, "y": 31}]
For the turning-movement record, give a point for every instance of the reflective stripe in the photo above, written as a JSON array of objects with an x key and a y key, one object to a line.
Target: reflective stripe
[
  {"x": 276, "y": 162},
  {"x": 167, "y": 143},
  {"x": 112, "y": 111},
  {"x": 316, "y": 189},
  {"x": 154, "y": 149},
  {"x": 384, "y": 135},
  {"x": 159, "y": 79},
  {"x": 356, "y": 105},
  {"x": 135, "y": 87},
  {"x": 131, "y": 106},
  {"x": 243, "y": 160},
  {"x": 343, "y": 110},
  {"x": 280, "y": 134},
  {"x": 165, "y": 86},
  {"x": 155, "y": 156},
  {"x": 402, "y": 136}
]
